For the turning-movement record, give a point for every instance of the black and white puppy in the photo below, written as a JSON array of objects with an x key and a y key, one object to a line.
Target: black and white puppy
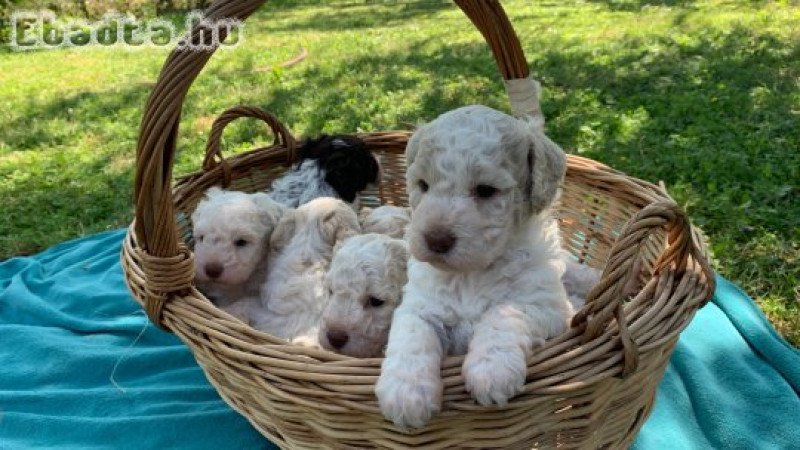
[{"x": 330, "y": 166}]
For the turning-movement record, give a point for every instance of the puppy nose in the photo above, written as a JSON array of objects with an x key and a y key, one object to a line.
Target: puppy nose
[
  {"x": 214, "y": 270},
  {"x": 337, "y": 338},
  {"x": 440, "y": 241}
]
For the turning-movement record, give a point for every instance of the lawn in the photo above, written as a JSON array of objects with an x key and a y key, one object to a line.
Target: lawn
[{"x": 702, "y": 95}]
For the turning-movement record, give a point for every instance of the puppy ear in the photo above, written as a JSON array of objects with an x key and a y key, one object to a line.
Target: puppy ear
[
  {"x": 283, "y": 231},
  {"x": 346, "y": 229},
  {"x": 547, "y": 165},
  {"x": 341, "y": 172},
  {"x": 271, "y": 211},
  {"x": 313, "y": 148},
  {"x": 211, "y": 192},
  {"x": 397, "y": 250},
  {"x": 340, "y": 235},
  {"x": 340, "y": 224},
  {"x": 413, "y": 145},
  {"x": 397, "y": 261}
]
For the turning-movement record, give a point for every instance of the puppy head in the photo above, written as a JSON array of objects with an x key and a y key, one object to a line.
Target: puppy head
[
  {"x": 231, "y": 230},
  {"x": 348, "y": 166},
  {"x": 475, "y": 176},
  {"x": 389, "y": 220},
  {"x": 333, "y": 220},
  {"x": 365, "y": 283}
]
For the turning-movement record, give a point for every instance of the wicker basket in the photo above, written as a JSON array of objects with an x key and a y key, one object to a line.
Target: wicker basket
[{"x": 592, "y": 387}]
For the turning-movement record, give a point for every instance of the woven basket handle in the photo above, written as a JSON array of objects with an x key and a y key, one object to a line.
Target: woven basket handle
[
  {"x": 214, "y": 145},
  {"x": 605, "y": 302},
  {"x": 155, "y": 226}
]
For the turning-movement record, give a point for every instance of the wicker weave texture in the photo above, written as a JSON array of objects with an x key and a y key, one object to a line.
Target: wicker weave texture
[{"x": 592, "y": 387}]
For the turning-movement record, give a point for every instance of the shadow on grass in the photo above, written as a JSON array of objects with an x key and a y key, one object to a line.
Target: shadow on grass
[
  {"x": 80, "y": 176},
  {"x": 88, "y": 111},
  {"x": 361, "y": 15},
  {"x": 59, "y": 201},
  {"x": 447, "y": 64},
  {"x": 637, "y": 5},
  {"x": 715, "y": 112}
]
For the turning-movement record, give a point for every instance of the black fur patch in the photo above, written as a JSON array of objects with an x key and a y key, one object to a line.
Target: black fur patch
[{"x": 345, "y": 162}]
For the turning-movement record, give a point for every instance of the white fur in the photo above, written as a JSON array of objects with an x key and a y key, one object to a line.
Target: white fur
[
  {"x": 370, "y": 266},
  {"x": 220, "y": 220},
  {"x": 497, "y": 294},
  {"x": 578, "y": 280},
  {"x": 387, "y": 219},
  {"x": 301, "y": 250}
]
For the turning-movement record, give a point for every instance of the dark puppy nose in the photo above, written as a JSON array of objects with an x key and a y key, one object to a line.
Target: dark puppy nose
[
  {"x": 440, "y": 241},
  {"x": 214, "y": 270},
  {"x": 337, "y": 338}
]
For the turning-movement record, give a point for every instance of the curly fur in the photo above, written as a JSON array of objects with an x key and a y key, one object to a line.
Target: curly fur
[
  {"x": 495, "y": 294},
  {"x": 365, "y": 268},
  {"x": 330, "y": 166},
  {"x": 389, "y": 220},
  {"x": 301, "y": 248},
  {"x": 220, "y": 221}
]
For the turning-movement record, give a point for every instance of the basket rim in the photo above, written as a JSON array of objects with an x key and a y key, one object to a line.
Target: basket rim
[{"x": 650, "y": 194}]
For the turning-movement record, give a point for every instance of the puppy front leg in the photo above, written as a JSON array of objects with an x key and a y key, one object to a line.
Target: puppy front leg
[
  {"x": 409, "y": 389},
  {"x": 495, "y": 365}
]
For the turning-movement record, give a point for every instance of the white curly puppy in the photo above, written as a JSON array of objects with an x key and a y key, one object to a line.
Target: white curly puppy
[
  {"x": 387, "y": 219},
  {"x": 485, "y": 276},
  {"x": 231, "y": 231},
  {"x": 301, "y": 248},
  {"x": 365, "y": 283}
]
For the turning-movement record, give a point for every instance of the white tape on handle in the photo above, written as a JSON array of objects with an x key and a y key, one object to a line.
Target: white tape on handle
[{"x": 524, "y": 96}]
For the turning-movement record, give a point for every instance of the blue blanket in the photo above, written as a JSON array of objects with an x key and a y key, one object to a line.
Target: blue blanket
[{"x": 80, "y": 367}]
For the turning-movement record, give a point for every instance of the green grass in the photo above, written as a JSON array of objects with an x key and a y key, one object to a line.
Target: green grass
[{"x": 704, "y": 95}]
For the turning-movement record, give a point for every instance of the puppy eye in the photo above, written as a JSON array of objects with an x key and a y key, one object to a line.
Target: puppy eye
[
  {"x": 485, "y": 191},
  {"x": 240, "y": 243},
  {"x": 375, "y": 302},
  {"x": 423, "y": 185},
  {"x": 200, "y": 238}
]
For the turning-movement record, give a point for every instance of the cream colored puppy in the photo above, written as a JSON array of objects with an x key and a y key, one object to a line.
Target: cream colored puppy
[
  {"x": 301, "y": 248},
  {"x": 231, "y": 231},
  {"x": 485, "y": 275},
  {"x": 365, "y": 283}
]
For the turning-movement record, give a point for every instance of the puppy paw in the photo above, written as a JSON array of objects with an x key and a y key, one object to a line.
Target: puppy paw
[
  {"x": 408, "y": 401},
  {"x": 494, "y": 378}
]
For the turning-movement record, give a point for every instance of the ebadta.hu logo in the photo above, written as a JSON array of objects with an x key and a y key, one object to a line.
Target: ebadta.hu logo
[{"x": 36, "y": 30}]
